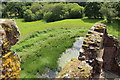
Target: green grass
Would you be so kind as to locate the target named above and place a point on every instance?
(113, 28)
(42, 43)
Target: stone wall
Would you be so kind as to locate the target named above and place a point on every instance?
(100, 51)
(9, 60)
(111, 54)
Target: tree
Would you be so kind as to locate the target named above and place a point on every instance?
(92, 10)
(14, 9)
(38, 15)
(76, 11)
(55, 13)
(108, 11)
(117, 7)
(48, 17)
(35, 7)
(61, 11)
(73, 10)
(0, 10)
(29, 16)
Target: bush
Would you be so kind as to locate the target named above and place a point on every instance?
(92, 10)
(77, 12)
(38, 15)
(55, 13)
(0, 11)
(63, 11)
(58, 11)
(117, 7)
(28, 15)
(35, 7)
(108, 11)
(52, 11)
(66, 15)
(73, 10)
(48, 17)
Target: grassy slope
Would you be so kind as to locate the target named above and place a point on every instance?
(42, 43)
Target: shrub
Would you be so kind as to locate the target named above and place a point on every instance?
(28, 15)
(61, 11)
(35, 7)
(66, 15)
(117, 7)
(108, 12)
(38, 15)
(55, 13)
(77, 12)
(48, 16)
(58, 11)
(52, 12)
(73, 10)
(92, 10)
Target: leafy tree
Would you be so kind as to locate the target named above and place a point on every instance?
(32, 12)
(92, 10)
(108, 11)
(67, 10)
(38, 15)
(77, 11)
(55, 13)
(48, 17)
(14, 9)
(73, 10)
(47, 7)
(35, 7)
(10, 9)
(0, 11)
(29, 16)
(60, 11)
(117, 7)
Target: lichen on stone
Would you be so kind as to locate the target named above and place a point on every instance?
(9, 60)
(75, 69)
(100, 52)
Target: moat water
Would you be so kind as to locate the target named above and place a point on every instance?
(65, 57)
(71, 52)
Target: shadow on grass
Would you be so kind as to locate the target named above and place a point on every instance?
(34, 20)
(90, 20)
(115, 24)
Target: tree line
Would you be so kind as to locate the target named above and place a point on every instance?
(57, 11)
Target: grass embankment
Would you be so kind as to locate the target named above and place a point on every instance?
(42, 43)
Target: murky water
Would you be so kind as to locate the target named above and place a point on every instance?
(65, 58)
(70, 53)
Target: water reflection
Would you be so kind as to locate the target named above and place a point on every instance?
(65, 57)
(71, 52)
